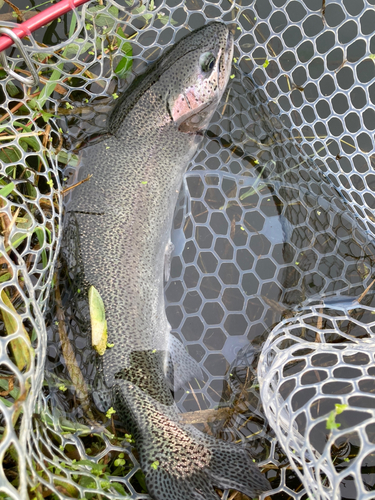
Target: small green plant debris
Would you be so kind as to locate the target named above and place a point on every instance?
(340, 408)
(120, 460)
(111, 411)
(128, 438)
(62, 387)
(7, 189)
(266, 63)
(331, 420)
(155, 464)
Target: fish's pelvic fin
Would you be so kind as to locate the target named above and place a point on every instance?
(181, 367)
(168, 259)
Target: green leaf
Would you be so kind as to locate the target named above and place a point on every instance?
(20, 348)
(73, 49)
(163, 18)
(10, 154)
(7, 189)
(93, 466)
(124, 67)
(6, 402)
(121, 33)
(29, 141)
(40, 235)
(68, 158)
(46, 116)
(41, 56)
(104, 20)
(87, 482)
(12, 89)
(141, 479)
(147, 17)
(119, 488)
(98, 322)
(26, 128)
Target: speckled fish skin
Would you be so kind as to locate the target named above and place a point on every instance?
(124, 216)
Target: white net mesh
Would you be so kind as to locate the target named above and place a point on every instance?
(317, 378)
(276, 216)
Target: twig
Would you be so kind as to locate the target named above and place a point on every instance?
(16, 107)
(365, 292)
(64, 191)
(69, 356)
(20, 17)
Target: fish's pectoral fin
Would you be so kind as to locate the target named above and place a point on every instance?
(181, 366)
(168, 259)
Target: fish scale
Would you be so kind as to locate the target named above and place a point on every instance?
(123, 218)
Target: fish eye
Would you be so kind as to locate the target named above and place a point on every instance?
(207, 61)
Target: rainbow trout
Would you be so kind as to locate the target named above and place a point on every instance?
(124, 216)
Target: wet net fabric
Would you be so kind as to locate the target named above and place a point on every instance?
(271, 276)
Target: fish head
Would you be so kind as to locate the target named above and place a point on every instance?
(196, 74)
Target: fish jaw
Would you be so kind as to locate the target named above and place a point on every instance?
(192, 109)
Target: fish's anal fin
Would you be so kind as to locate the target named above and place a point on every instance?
(180, 367)
(168, 259)
(101, 394)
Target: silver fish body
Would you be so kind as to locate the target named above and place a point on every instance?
(124, 217)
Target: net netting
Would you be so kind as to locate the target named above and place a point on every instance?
(272, 270)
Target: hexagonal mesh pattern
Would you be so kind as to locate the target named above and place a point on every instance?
(317, 375)
(275, 215)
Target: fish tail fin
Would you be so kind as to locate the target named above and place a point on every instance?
(207, 463)
(179, 461)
